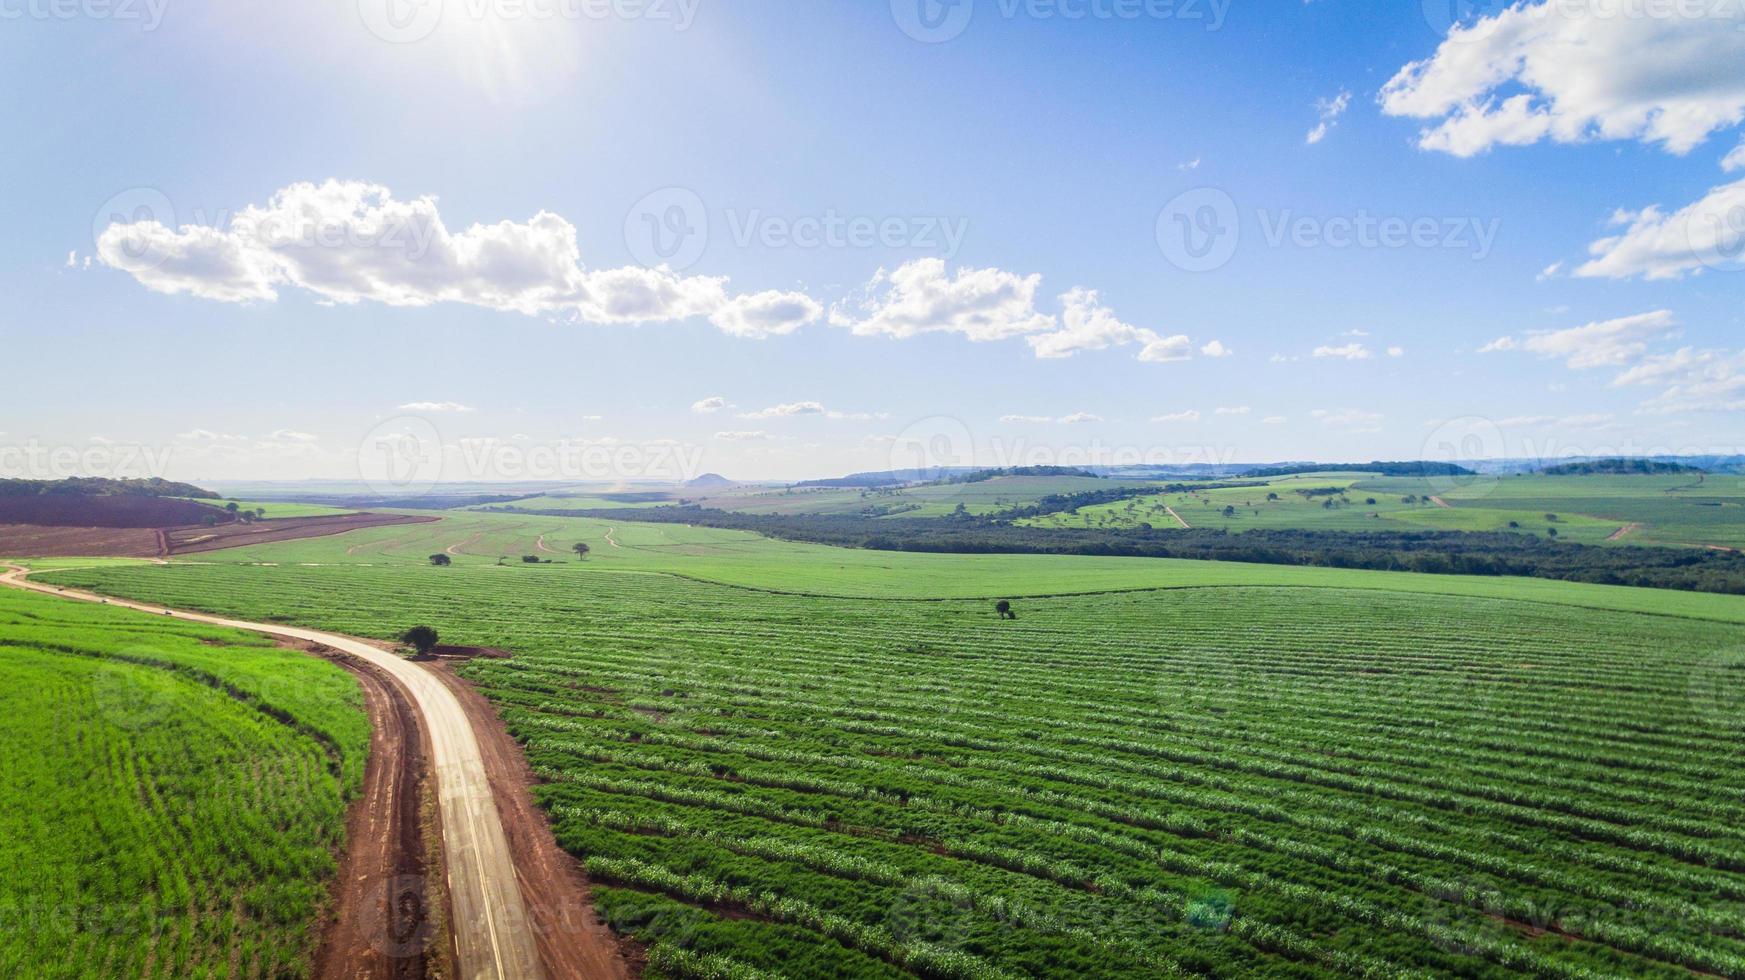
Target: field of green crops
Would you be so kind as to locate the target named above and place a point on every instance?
(171, 796)
(1657, 510)
(1170, 768)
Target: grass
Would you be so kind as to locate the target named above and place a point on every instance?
(1248, 770)
(1679, 510)
(172, 795)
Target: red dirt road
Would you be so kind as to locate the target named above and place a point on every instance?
(573, 943)
(387, 910)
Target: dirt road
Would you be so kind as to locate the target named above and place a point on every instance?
(1178, 519)
(493, 935)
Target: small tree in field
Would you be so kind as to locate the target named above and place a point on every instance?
(441, 560)
(580, 549)
(420, 638)
(1004, 608)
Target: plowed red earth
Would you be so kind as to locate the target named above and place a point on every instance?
(88, 541)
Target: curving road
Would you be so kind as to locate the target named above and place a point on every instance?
(493, 935)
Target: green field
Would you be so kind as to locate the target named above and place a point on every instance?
(930, 500)
(275, 510)
(172, 796)
(1170, 768)
(1657, 510)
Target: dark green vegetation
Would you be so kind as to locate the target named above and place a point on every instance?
(1220, 779)
(171, 796)
(1619, 467)
(1401, 469)
(1440, 552)
(100, 487)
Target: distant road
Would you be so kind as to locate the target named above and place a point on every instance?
(492, 933)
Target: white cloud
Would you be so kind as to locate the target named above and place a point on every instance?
(991, 304)
(1191, 415)
(710, 405)
(1234, 410)
(1668, 73)
(1736, 159)
(346, 242)
(788, 410)
(435, 407)
(1274, 420)
(1591, 421)
(1691, 381)
(1026, 418)
(1349, 352)
(794, 409)
(1087, 325)
(1190, 166)
(1348, 419)
(1080, 418)
(1216, 348)
(1709, 233)
(767, 314)
(919, 297)
(1396, 352)
(742, 436)
(1604, 343)
(1329, 111)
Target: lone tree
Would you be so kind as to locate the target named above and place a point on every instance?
(530, 559)
(580, 549)
(1004, 608)
(420, 638)
(441, 560)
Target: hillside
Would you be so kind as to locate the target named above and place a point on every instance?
(1620, 467)
(100, 487)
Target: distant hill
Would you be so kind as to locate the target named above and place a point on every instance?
(890, 478)
(709, 481)
(99, 487)
(1620, 467)
(1410, 468)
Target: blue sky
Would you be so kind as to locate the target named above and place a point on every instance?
(1022, 179)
